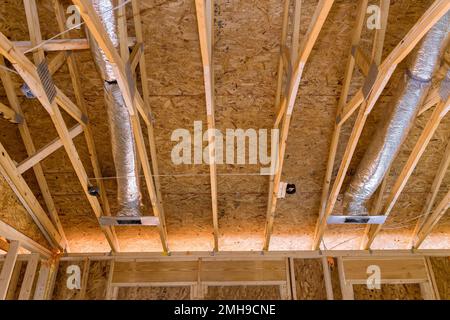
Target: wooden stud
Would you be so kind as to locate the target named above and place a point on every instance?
(13, 283)
(9, 114)
(28, 279)
(346, 287)
(293, 280)
(42, 281)
(8, 268)
(327, 278)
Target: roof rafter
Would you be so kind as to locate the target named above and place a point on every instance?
(205, 21)
(385, 71)
(287, 106)
(133, 101)
(28, 72)
(438, 114)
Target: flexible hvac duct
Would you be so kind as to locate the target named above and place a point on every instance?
(122, 140)
(387, 140)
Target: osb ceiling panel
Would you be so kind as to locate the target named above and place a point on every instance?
(246, 50)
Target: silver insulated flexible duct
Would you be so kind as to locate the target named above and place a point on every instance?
(387, 140)
(122, 140)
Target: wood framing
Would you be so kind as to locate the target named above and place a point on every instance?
(28, 279)
(12, 234)
(27, 198)
(28, 72)
(437, 182)
(81, 102)
(287, 106)
(8, 268)
(133, 101)
(425, 23)
(382, 270)
(205, 21)
(439, 112)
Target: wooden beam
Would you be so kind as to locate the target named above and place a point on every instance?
(362, 60)
(72, 64)
(31, 149)
(432, 99)
(42, 281)
(47, 150)
(380, 34)
(55, 45)
(438, 114)
(28, 72)
(133, 101)
(425, 23)
(356, 37)
(27, 243)
(28, 279)
(431, 197)
(146, 96)
(317, 22)
(205, 19)
(281, 63)
(27, 198)
(13, 283)
(68, 44)
(8, 268)
(135, 55)
(432, 220)
(9, 114)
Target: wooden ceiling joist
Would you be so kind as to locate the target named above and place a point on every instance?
(133, 101)
(431, 221)
(31, 150)
(287, 105)
(146, 96)
(205, 21)
(385, 71)
(47, 150)
(434, 190)
(27, 243)
(356, 37)
(81, 102)
(28, 72)
(438, 114)
(27, 198)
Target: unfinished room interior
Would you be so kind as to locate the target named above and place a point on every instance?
(224, 150)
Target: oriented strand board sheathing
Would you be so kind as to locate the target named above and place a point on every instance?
(388, 292)
(243, 293)
(97, 281)
(309, 279)
(154, 293)
(441, 269)
(246, 51)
